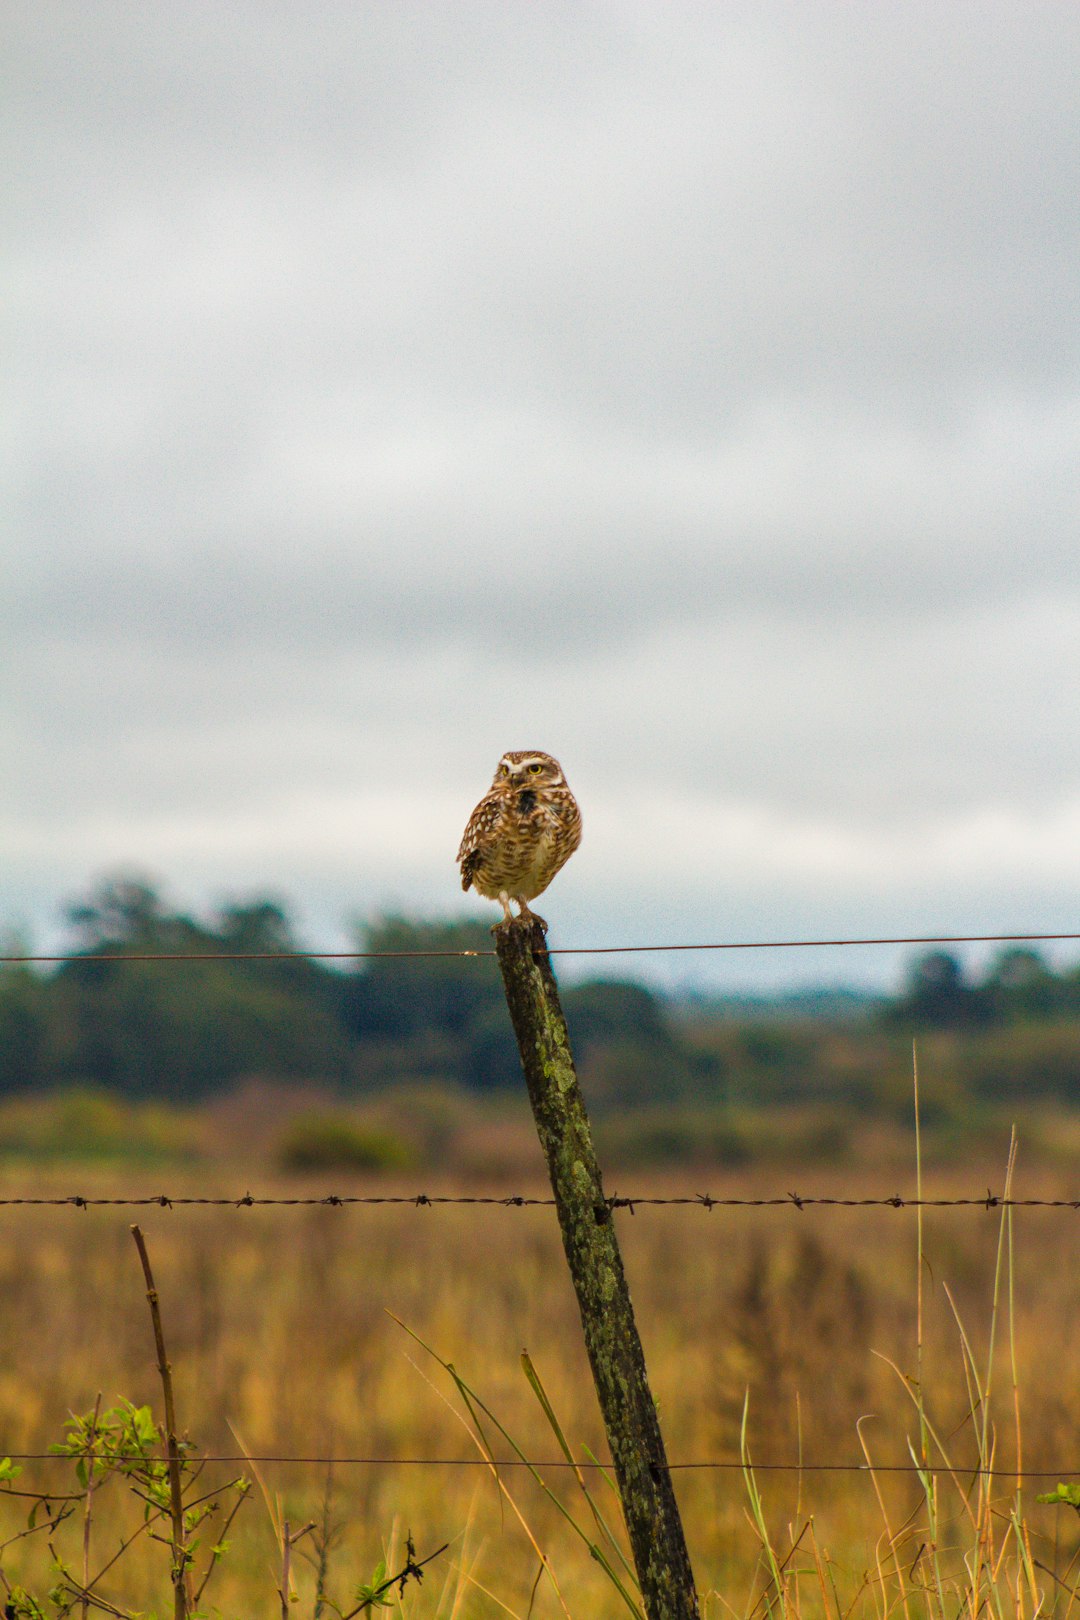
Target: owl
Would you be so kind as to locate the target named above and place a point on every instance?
(523, 830)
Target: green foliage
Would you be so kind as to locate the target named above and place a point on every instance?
(130, 1029)
(384, 1585)
(21, 1606)
(612, 1010)
(396, 999)
(121, 1440)
(1022, 1061)
(1064, 1495)
(127, 1026)
(84, 1124)
(28, 1030)
(1019, 987)
(938, 996)
(335, 1142)
(667, 1137)
(373, 1594)
(122, 1443)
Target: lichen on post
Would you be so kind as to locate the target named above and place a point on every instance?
(592, 1252)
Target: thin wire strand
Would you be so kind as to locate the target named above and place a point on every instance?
(559, 950)
(791, 1200)
(716, 1464)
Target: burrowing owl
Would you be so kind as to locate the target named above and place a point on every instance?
(524, 828)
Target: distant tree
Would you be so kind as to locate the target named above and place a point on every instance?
(448, 1012)
(183, 1029)
(25, 1032)
(489, 1058)
(126, 914)
(261, 926)
(398, 997)
(938, 996)
(606, 1010)
(1020, 985)
(627, 1051)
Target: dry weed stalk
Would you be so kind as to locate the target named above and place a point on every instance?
(182, 1604)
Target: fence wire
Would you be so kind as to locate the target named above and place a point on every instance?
(713, 1465)
(555, 950)
(706, 1201)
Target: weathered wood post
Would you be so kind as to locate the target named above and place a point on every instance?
(592, 1252)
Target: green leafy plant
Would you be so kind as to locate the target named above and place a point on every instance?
(1064, 1495)
(161, 1471)
(122, 1443)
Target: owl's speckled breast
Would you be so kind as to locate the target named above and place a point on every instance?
(524, 858)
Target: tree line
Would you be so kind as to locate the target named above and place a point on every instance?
(185, 1030)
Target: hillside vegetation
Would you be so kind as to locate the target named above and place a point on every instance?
(182, 1032)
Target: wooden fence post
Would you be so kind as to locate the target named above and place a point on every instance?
(592, 1252)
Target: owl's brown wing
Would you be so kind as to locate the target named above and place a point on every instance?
(468, 868)
(478, 830)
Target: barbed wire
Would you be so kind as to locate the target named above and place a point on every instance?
(557, 950)
(974, 1471)
(706, 1201)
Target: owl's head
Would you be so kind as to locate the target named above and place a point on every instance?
(529, 768)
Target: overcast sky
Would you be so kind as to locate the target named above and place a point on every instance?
(692, 391)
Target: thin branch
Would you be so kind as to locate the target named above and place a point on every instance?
(212, 1565)
(88, 1511)
(176, 1500)
(289, 1538)
(410, 1570)
(93, 1600)
(124, 1545)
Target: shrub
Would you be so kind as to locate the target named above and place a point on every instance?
(83, 1123)
(653, 1137)
(331, 1142)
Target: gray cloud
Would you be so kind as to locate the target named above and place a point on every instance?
(692, 390)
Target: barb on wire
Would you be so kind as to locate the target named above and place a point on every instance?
(706, 1201)
(557, 950)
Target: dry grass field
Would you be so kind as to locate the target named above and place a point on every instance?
(280, 1327)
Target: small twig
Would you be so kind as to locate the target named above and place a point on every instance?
(92, 1598)
(1054, 1576)
(123, 1547)
(324, 1542)
(88, 1510)
(289, 1538)
(77, 1496)
(156, 1513)
(34, 1530)
(411, 1570)
(286, 1553)
(176, 1500)
(233, 1511)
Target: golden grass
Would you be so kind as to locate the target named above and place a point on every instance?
(280, 1333)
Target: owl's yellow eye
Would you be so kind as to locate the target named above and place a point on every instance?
(535, 769)
(504, 770)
